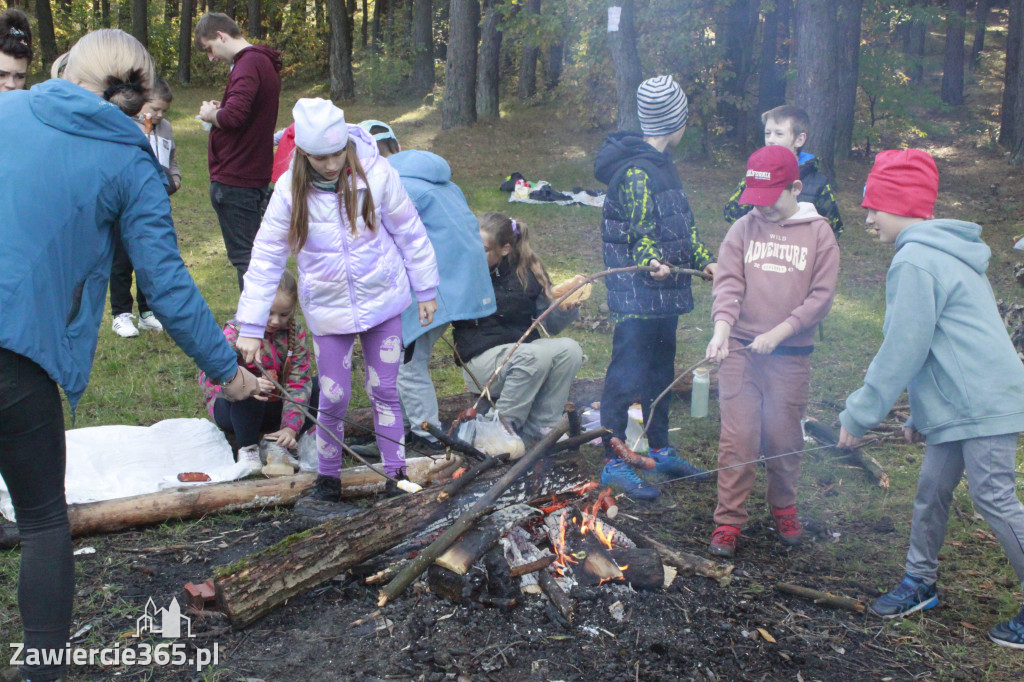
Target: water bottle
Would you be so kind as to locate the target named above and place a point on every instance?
(699, 393)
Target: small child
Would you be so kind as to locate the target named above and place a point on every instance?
(283, 352)
(788, 126)
(153, 123)
(776, 279)
(359, 245)
(945, 343)
(533, 386)
(646, 220)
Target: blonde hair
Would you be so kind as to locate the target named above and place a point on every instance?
(503, 230)
(113, 64)
(348, 197)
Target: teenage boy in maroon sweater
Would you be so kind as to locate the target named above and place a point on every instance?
(241, 151)
(776, 278)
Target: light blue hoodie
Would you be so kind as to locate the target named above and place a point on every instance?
(72, 165)
(944, 342)
(465, 292)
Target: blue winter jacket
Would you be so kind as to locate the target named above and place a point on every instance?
(945, 342)
(72, 165)
(465, 292)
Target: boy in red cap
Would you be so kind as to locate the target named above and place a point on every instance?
(776, 279)
(945, 342)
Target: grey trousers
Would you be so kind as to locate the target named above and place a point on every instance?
(989, 463)
(416, 388)
(533, 386)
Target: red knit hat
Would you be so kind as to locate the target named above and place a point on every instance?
(770, 170)
(904, 182)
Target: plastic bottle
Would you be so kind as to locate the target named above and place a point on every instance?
(700, 392)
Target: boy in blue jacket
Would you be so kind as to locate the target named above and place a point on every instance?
(946, 344)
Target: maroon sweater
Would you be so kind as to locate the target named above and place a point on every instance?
(769, 273)
(241, 149)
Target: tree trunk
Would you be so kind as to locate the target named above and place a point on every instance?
(953, 60)
(423, 47)
(350, 26)
(772, 84)
(140, 21)
(343, 87)
(531, 50)
(1016, 136)
(488, 86)
(459, 105)
(627, 66)
(980, 26)
(816, 47)
(170, 10)
(231, 8)
(848, 75)
(380, 10)
(740, 23)
(553, 68)
(1008, 132)
(185, 42)
(366, 12)
(255, 19)
(124, 15)
(914, 33)
(47, 39)
(105, 13)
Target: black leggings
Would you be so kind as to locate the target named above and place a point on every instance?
(249, 418)
(32, 463)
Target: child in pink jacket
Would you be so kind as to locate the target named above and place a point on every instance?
(359, 245)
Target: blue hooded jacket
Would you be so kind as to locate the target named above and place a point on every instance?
(71, 167)
(945, 342)
(465, 292)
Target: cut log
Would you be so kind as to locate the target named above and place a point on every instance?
(688, 563)
(641, 568)
(556, 594)
(471, 546)
(826, 436)
(363, 481)
(823, 598)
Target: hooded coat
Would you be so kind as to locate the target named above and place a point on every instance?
(945, 342)
(77, 167)
(347, 284)
(668, 233)
(465, 291)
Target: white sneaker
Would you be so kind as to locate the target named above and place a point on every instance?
(250, 455)
(124, 326)
(148, 321)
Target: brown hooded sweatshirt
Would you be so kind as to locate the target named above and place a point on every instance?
(770, 272)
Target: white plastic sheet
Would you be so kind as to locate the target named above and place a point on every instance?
(110, 462)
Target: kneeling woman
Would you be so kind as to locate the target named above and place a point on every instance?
(533, 386)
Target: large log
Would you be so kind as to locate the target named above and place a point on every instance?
(688, 563)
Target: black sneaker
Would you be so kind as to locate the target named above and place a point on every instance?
(324, 503)
(417, 442)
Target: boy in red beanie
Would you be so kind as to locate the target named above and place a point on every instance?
(776, 278)
(946, 344)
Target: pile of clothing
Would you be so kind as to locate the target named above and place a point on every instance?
(541, 192)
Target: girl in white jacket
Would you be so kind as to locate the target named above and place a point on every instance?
(359, 245)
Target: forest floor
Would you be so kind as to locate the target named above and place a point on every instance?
(856, 532)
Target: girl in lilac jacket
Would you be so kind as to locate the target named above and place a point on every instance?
(360, 246)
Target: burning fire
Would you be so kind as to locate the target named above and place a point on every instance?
(568, 497)
(587, 523)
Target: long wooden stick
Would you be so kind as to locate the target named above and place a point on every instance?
(823, 598)
(416, 567)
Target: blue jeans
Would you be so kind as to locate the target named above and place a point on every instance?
(239, 210)
(642, 366)
(32, 463)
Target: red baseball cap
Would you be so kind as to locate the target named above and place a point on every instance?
(770, 170)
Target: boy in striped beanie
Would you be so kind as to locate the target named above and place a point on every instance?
(647, 221)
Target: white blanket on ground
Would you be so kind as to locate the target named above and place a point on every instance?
(109, 462)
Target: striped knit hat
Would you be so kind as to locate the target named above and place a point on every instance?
(661, 105)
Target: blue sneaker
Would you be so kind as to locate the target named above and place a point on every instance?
(912, 594)
(669, 463)
(1010, 633)
(618, 474)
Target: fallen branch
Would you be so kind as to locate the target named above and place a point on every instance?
(416, 567)
(822, 598)
(531, 567)
(827, 436)
(688, 563)
(556, 594)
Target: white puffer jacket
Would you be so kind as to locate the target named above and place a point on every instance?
(347, 284)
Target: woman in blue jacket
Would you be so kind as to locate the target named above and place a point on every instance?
(77, 167)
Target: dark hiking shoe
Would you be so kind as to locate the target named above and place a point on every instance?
(724, 541)
(669, 463)
(912, 594)
(1009, 633)
(417, 442)
(622, 476)
(368, 451)
(324, 502)
(392, 489)
(787, 525)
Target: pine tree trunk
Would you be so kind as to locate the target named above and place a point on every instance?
(342, 83)
(553, 68)
(47, 39)
(140, 21)
(423, 47)
(231, 8)
(459, 105)
(771, 90)
(816, 46)
(849, 72)
(627, 66)
(528, 59)
(489, 68)
(350, 26)
(1010, 133)
(185, 42)
(914, 33)
(980, 26)
(255, 22)
(365, 20)
(739, 25)
(124, 15)
(105, 13)
(953, 60)
(380, 10)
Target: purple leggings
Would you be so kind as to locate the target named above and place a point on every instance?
(382, 352)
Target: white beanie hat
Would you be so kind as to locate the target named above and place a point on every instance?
(320, 126)
(661, 106)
